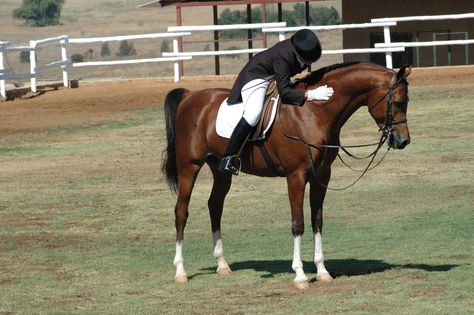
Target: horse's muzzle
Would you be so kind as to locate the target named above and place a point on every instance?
(397, 140)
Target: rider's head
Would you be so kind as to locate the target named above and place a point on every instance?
(306, 46)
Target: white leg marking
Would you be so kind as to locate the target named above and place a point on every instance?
(322, 274)
(222, 266)
(297, 264)
(179, 263)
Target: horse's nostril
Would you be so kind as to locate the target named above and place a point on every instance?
(404, 143)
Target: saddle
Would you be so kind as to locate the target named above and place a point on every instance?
(268, 112)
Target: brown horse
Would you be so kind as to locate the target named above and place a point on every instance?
(192, 141)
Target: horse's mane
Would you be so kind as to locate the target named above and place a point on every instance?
(317, 75)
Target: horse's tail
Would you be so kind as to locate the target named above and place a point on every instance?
(168, 167)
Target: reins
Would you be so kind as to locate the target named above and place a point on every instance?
(386, 133)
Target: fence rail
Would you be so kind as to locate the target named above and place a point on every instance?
(174, 59)
(384, 25)
(425, 18)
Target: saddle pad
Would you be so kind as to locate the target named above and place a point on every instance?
(229, 115)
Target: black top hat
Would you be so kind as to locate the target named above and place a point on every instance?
(306, 46)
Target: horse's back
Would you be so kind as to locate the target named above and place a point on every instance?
(196, 121)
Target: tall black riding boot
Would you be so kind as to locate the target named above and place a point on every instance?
(236, 142)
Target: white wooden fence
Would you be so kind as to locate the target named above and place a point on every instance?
(133, 61)
(65, 62)
(176, 32)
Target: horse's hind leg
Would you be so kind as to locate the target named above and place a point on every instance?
(186, 179)
(220, 188)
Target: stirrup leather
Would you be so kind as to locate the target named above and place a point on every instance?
(228, 164)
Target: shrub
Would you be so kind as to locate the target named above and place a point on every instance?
(126, 49)
(88, 54)
(105, 50)
(77, 58)
(25, 57)
(165, 46)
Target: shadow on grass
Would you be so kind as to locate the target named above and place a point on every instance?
(337, 267)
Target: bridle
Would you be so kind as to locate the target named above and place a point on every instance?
(389, 122)
(386, 129)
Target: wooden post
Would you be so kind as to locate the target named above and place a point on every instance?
(280, 12)
(33, 65)
(249, 32)
(179, 22)
(3, 91)
(306, 12)
(216, 40)
(264, 20)
(64, 57)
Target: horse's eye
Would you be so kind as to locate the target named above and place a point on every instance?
(401, 105)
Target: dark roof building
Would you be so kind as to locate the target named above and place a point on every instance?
(362, 11)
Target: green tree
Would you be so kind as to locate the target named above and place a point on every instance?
(317, 15)
(39, 12)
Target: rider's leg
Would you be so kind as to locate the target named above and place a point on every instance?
(253, 96)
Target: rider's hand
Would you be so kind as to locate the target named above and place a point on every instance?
(322, 93)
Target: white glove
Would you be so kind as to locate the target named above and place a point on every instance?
(322, 93)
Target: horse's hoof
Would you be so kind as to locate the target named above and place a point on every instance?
(224, 271)
(301, 285)
(182, 279)
(324, 277)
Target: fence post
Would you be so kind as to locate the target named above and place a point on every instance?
(387, 40)
(3, 90)
(64, 44)
(177, 75)
(33, 65)
(281, 36)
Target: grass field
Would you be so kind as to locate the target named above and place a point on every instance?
(87, 224)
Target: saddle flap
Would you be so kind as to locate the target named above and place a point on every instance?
(270, 107)
(229, 115)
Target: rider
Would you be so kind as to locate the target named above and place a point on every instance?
(280, 62)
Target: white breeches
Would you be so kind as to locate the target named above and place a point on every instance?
(253, 96)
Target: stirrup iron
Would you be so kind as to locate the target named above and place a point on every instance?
(227, 164)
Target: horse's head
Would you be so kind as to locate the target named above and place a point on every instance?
(388, 107)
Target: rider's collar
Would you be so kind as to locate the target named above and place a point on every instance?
(302, 64)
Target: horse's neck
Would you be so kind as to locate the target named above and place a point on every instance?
(353, 86)
(351, 98)
(347, 107)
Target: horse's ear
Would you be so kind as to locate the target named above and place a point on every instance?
(404, 72)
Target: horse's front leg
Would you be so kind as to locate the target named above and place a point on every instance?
(317, 190)
(296, 187)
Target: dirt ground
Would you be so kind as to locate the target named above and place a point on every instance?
(96, 101)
